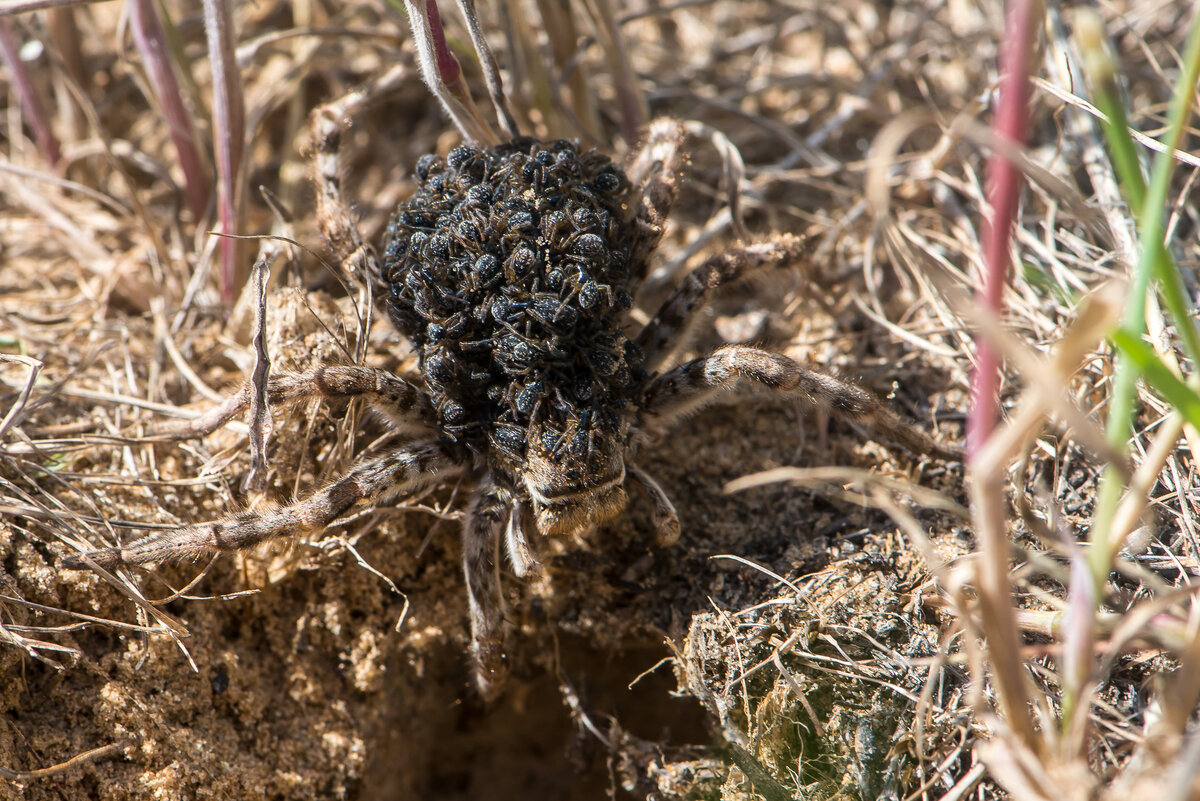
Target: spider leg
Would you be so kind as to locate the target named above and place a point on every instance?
(372, 480)
(357, 257)
(664, 517)
(403, 404)
(524, 562)
(667, 330)
(653, 170)
(485, 517)
(697, 382)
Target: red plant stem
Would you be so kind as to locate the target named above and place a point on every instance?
(151, 42)
(447, 64)
(229, 129)
(986, 476)
(34, 114)
(1004, 192)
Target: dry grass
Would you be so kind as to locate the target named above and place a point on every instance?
(827, 628)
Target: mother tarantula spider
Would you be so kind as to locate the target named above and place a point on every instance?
(512, 271)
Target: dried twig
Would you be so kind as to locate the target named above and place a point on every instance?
(75, 761)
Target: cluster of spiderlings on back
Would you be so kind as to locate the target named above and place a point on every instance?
(509, 270)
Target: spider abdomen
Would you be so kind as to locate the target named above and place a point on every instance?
(509, 270)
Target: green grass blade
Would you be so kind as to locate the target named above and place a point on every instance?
(1158, 375)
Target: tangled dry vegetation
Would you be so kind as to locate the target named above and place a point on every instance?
(819, 631)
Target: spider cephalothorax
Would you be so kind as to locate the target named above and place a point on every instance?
(512, 271)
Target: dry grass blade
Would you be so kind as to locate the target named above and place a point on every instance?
(734, 168)
(14, 412)
(260, 412)
(10, 8)
(868, 481)
(631, 100)
(491, 73)
(1047, 381)
(549, 74)
(35, 648)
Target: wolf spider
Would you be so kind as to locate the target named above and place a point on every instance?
(512, 273)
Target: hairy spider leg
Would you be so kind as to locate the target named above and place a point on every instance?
(405, 406)
(697, 382)
(485, 517)
(667, 332)
(653, 171)
(663, 515)
(525, 563)
(357, 258)
(371, 480)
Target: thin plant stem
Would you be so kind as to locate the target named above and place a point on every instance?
(442, 73)
(987, 480)
(47, 142)
(491, 73)
(150, 38)
(1151, 264)
(229, 130)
